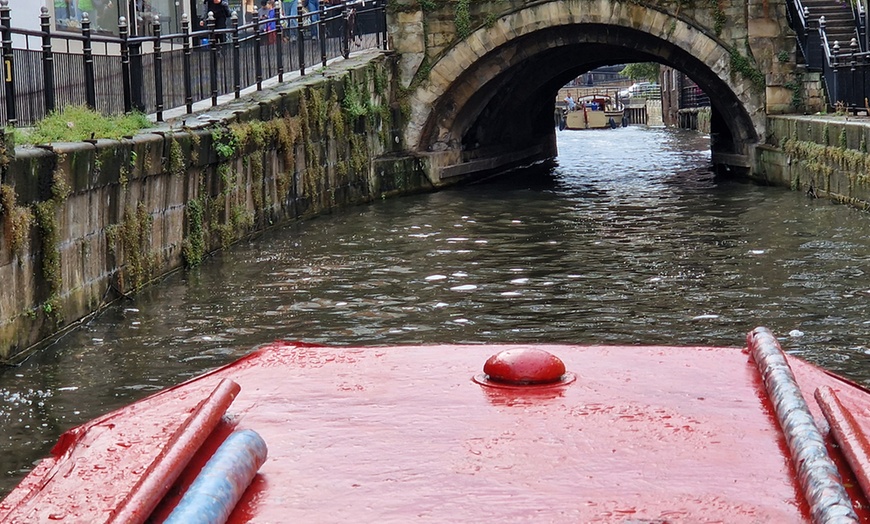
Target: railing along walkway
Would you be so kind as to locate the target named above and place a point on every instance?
(153, 73)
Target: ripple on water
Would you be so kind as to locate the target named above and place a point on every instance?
(628, 238)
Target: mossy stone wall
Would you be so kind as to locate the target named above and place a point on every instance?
(82, 224)
(824, 156)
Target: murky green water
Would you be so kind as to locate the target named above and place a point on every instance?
(629, 240)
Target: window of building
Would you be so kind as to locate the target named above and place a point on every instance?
(102, 14)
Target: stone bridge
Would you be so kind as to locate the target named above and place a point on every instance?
(481, 76)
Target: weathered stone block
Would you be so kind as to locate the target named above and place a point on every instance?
(75, 162)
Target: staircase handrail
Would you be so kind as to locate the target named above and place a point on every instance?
(805, 34)
(802, 14)
(859, 9)
(834, 60)
(843, 72)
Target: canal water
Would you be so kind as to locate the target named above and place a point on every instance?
(628, 239)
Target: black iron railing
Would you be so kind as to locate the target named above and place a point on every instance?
(844, 66)
(807, 34)
(846, 73)
(46, 70)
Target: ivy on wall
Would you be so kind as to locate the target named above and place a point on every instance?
(462, 19)
(745, 67)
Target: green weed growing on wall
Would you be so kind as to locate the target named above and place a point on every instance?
(17, 220)
(134, 237)
(176, 163)
(193, 248)
(463, 19)
(226, 143)
(47, 221)
(821, 161)
(355, 102)
(719, 19)
(743, 65)
(797, 91)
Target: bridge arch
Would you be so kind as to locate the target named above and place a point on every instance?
(496, 87)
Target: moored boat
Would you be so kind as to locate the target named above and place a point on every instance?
(473, 433)
(595, 112)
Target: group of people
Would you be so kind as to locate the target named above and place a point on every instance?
(571, 105)
(221, 11)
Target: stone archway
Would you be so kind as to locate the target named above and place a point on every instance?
(543, 45)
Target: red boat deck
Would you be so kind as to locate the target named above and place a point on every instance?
(644, 434)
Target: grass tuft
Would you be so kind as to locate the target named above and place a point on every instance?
(78, 123)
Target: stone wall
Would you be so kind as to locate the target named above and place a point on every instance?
(82, 224)
(824, 156)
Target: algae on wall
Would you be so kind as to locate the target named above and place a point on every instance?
(825, 157)
(82, 224)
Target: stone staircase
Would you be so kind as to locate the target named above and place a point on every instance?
(840, 23)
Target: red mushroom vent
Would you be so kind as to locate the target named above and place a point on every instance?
(524, 367)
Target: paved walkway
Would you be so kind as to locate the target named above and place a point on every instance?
(204, 113)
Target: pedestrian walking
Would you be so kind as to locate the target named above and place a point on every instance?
(221, 11)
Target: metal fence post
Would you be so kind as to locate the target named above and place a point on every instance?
(8, 62)
(158, 69)
(321, 35)
(384, 26)
(258, 53)
(237, 61)
(124, 33)
(300, 44)
(345, 31)
(137, 80)
(47, 59)
(213, 49)
(853, 47)
(864, 71)
(279, 40)
(88, 57)
(188, 89)
(835, 63)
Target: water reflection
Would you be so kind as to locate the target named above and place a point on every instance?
(629, 239)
